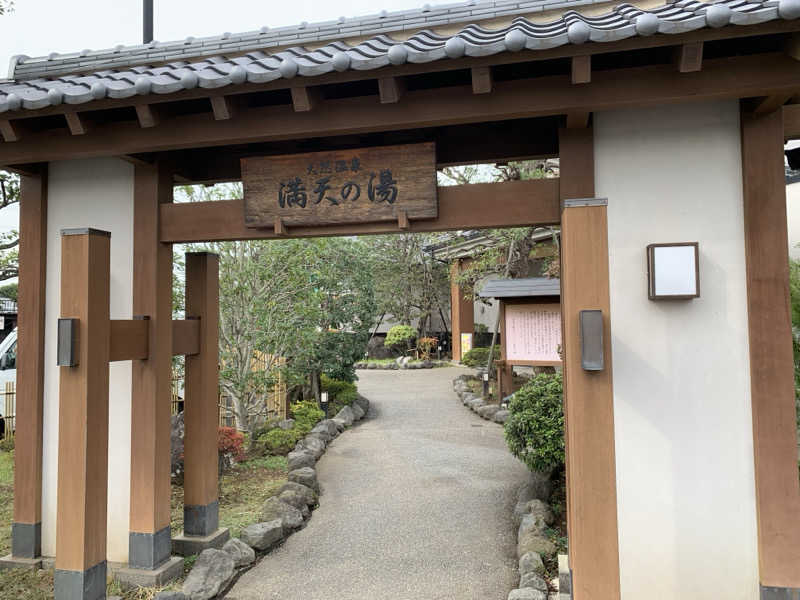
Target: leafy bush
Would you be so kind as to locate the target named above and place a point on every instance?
(340, 394)
(279, 441)
(400, 335)
(477, 357)
(306, 414)
(425, 345)
(7, 444)
(535, 428)
(230, 441)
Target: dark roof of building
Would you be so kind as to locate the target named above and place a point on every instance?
(357, 44)
(521, 288)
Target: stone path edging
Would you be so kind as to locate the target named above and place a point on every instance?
(214, 571)
(486, 411)
(400, 365)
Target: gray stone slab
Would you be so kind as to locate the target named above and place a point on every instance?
(779, 593)
(166, 572)
(12, 562)
(187, 545)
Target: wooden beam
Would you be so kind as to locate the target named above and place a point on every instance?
(201, 412)
(689, 57)
(391, 89)
(75, 123)
(402, 220)
(792, 47)
(185, 337)
(129, 339)
(280, 228)
(145, 160)
(578, 120)
(768, 104)
(532, 202)
(589, 399)
(770, 341)
(83, 418)
(582, 69)
(146, 115)
(26, 531)
(741, 76)
(481, 80)
(151, 379)
(304, 98)
(222, 107)
(9, 130)
(462, 307)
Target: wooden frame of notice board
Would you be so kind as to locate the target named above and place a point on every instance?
(506, 363)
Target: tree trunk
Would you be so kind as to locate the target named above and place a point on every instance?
(316, 385)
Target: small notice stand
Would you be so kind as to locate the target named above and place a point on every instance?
(530, 320)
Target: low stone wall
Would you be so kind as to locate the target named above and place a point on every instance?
(399, 365)
(485, 410)
(214, 570)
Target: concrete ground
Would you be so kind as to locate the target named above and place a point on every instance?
(416, 505)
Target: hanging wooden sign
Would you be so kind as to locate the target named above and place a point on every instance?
(388, 183)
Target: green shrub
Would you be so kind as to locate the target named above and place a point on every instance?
(7, 444)
(535, 428)
(306, 414)
(400, 335)
(279, 441)
(340, 394)
(477, 357)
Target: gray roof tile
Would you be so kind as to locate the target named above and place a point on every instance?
(520, 288)
(84, 76)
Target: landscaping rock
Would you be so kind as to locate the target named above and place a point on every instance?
(301, 458)
(167, 595)
(275, 508)
(501, 416)
(241, 553)
(323, 438)
(527, 594)
(533, 580)
(531, 523)
(476, 404)
(346, 415)
(488, 411)
(262, 536)
(468, 397)
(539, 486)
(358, 412)
(327, 425)
(312, 445)
(341, 424)
(286, 424)
(531, 562)
(533, 541)
(294, 499)
(305, 476)
(211, 574)
(305, 492)
(372, 365)
(362, 402)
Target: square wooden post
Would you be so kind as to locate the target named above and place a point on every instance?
(26, 531)
(462, 310)
(201, 410)
(771, 361)
(150, 540)
(588, 395)
(83, 419)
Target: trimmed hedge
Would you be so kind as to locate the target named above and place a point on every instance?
(477, 357)
(535, 427)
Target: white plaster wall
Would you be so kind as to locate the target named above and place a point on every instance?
(94, 193)
(793, 218)
(685, 482)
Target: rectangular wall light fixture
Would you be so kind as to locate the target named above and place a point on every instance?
(673, 271)
(592, 340)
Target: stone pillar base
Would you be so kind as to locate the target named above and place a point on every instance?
(187, 545)
(13, 562)
(201, 520)
(26, 540)
(779, 593)
(148, 550)
(81, 585)
(131, 578)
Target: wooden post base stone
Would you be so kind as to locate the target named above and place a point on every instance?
(187, 545)
(149, 550)
(81, 585)
(130, 578)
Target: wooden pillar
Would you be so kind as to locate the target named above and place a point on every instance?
(83, 419)
(26, 531)
(201, 508)
(505, 372)
(149, 543)
(462, 310)
(771, 360)
(588, 397)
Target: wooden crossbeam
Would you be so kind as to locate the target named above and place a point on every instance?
(689, 57)
(481, 80)
(129, 339)
(75, 123)
(390, 89)
(185, 337)
(533, 202)
(582, 69)
(578, 120)
(9, 131)
(146, 115)
(222, 107)
(767, 104)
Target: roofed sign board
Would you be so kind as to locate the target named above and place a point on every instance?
(362, 185)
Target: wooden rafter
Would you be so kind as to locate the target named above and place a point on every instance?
(222, 107)
(768, 104)
(689, 57)
(304, 98)
(481, 80)
(391, 89)
(76, 123)
(578, 120)
(146, 115)
(9, 130)
(582, 69)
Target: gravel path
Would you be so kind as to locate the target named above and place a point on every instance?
(416, 505)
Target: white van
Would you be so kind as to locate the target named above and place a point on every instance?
(8, 374)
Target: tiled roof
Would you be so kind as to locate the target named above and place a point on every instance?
(521, 288)
(235, 59)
